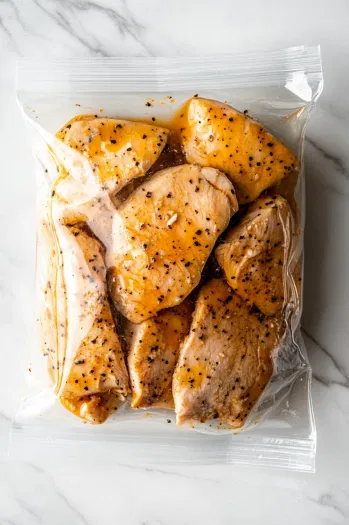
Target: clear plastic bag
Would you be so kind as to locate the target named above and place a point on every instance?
(279, 90)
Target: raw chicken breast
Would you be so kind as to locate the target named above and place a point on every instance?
(92, 373)
(256, 255)
(113, 151)
(226, 361)
(162, 236)
(153, 353)
(214, 134)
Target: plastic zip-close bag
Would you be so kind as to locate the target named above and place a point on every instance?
(170, 218)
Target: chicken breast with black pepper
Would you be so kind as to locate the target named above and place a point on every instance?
(96, 159)
(257, 257)
(162, 236)
(227, 359)
(111, 151)
(92, 373)
(217, 135)
(153, 353)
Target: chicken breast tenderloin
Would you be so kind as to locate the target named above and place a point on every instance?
(256, 255)
(162, 236)
(93, 375)
(153, 353)
(217, 135)
(226, 360)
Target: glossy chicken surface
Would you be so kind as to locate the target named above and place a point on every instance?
(215, 134)
(226, 361)
(113, 151)
(162, 236)
(92, 374)
(153, 353)
(255, 254)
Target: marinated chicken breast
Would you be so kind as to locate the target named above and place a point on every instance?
(162, 236)
(255, 255)
(96, 159)
(215, 134)
(93, 374)
(47, 276)
(153, 353)
(226, 360)
(113, 151)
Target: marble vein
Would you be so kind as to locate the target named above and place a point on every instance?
(167, 473)
(76, 515)
(4, 19)
(8, 34)
(62, 21)
(125, 25)
(328, 499)
(322, 379)
(28, 509)
(337, 162)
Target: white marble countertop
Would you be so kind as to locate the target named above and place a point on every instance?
(72, 494)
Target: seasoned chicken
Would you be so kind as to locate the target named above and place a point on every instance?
(162, 236)
(47, 276)
(93, 374)
(226, 360)
(97, 158)
(255, 255)
(214, 134)
(113, 151)
(153, 353)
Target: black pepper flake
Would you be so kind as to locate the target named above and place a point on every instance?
(113, 141)
(80, 362)
(149, 194)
